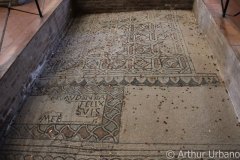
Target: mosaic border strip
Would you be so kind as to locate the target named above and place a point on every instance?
(107, 131)
(162, 81)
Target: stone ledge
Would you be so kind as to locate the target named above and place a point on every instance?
(228, 56)
(99, 6)
(16, 82)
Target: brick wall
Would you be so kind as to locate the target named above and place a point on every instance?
(96, 6)
(17, 81)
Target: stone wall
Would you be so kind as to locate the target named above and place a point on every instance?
(97, 6)
(17, 81)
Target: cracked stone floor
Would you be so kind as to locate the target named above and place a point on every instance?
(126, 86)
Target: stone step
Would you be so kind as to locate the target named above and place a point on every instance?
(94, 6)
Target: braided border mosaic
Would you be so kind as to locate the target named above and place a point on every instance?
(106, 131)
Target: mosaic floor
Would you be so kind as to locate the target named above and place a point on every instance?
(126, 86)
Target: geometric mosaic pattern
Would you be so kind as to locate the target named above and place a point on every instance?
(91, 67)
(78, 101)
(26, 156)
(35, 156)
(141, 45)
(87, 96)
(162, 81)
(128, 47)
